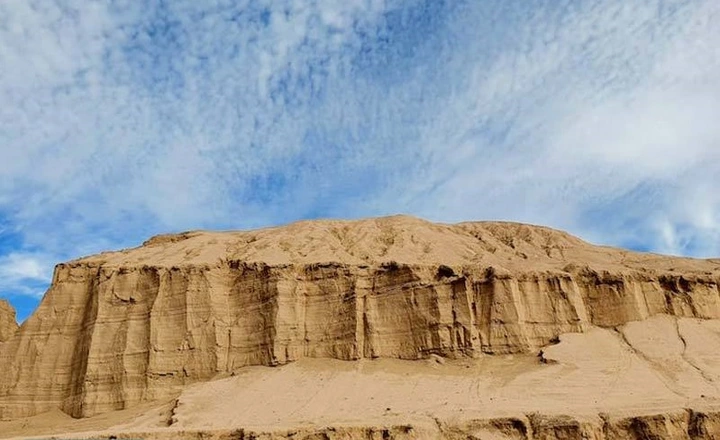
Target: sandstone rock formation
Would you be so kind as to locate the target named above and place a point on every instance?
(8, 323)
(120, 328)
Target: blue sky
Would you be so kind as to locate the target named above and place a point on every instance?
(123, 119)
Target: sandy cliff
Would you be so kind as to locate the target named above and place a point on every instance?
(124, 327)
(8, 323)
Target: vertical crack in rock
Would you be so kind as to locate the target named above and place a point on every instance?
(653, 364)
(684, 356)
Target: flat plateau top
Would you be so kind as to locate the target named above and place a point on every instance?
(402, 239)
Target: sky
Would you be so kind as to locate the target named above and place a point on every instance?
(123, 119)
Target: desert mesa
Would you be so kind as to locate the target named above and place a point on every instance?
(387, 328)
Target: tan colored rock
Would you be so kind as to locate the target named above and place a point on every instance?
(120, 328)
(8, 323)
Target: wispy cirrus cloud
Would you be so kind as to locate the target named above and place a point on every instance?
(25, 274)
(122, 119)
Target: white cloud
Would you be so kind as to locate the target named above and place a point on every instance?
(19, 266)
(24, 274)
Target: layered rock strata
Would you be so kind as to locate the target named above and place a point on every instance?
(124, 327)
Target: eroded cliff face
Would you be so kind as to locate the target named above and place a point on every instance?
(8, 323)
(120, 328)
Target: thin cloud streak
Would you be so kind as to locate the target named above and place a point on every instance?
(24, 274)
